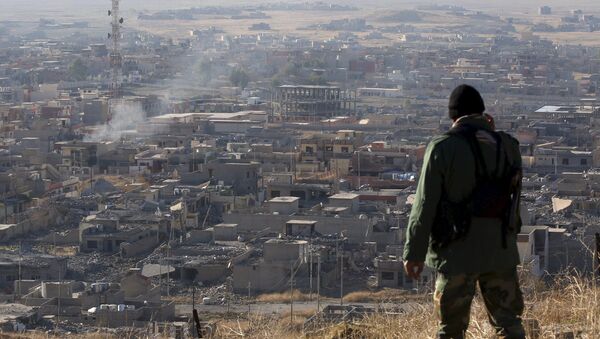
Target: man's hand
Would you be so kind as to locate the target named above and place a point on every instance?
(413, 269)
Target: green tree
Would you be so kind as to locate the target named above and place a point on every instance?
(315, 79)
(205, 71)
(275, 81)
(78, 70)
(239, 78)
(314, 63)
(291, 68)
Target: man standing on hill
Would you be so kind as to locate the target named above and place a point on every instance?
(465, 220)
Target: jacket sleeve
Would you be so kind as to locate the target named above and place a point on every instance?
(429, 191)
(515, 152)
(518, 163)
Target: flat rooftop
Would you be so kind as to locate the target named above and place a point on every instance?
(530, 229)
(10, 312)
(344, 196)
(564, 109)
(153, 270)
(285, 241)
(226, 225)
(284, 199)
(308, 87)
(207, 116)
(335, 209)
(301, 222)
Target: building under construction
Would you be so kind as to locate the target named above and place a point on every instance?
(313, 102)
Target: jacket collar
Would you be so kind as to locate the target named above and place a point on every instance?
(478, 121)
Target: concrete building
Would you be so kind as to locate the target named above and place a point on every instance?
(78, 154)
(555, 159)
(389, 270)
(380, 92)
(285, 251)
(314, 101)
(128, 241)
(284, 205)
(304, 228)
(8, 232)
(355, 229)
(545, 10)
(137, 287)
(309, 194)
(29, 267)
(243, 177)
(533, 247)
(54, 289)
(13, 315)
(351, 201)
(225, 232)
(272, 273)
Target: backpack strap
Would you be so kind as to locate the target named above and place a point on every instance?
(469, 134)
(478, 154)
(500, 170)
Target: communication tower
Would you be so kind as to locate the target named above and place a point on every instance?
(116, 59)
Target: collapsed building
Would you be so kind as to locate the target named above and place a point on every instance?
(108, 235)
(30, 267)
(133, 302)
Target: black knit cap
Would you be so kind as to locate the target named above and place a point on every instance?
(465, 100)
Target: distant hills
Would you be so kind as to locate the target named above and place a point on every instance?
(34, 9)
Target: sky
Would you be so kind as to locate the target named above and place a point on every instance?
(33, 9)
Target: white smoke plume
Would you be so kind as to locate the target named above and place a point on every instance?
(125, 116)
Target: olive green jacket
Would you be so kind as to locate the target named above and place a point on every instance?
(449, 165)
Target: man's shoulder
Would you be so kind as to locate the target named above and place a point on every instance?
(440, 140)
(444, 143)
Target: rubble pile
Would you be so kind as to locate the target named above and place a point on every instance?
(96, 267)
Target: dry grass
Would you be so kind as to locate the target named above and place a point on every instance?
(284, 297)
(387, 295)
(260, 326)
(182, 299)
(39, 335)
(572, 304)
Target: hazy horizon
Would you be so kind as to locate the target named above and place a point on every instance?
(9, 9)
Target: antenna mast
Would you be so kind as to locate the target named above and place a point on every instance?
(116, 59)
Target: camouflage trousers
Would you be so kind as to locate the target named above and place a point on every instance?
(501, 295)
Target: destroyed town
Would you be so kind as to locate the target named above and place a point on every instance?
(227, 169)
